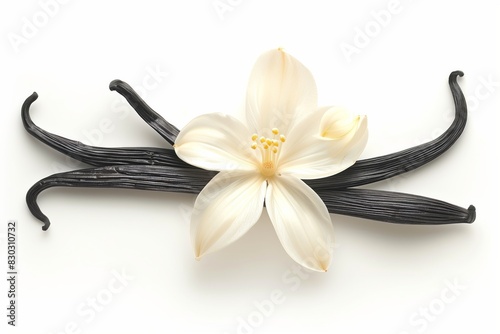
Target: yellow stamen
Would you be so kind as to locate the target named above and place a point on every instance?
(270, 149)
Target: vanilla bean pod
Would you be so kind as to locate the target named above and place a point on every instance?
(370, 204)
(164, 128)
(99, 156)
(386, 166)
(393, 207)
(160, 169)
(160, 178)
(362, 172)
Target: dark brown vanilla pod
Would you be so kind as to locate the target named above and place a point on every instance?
(151, 117)
(159, 178)
(99, 156)
(386, 166)
(161, 170)
(363, 171)
(393, 207)
(231, 201)
(370, 204)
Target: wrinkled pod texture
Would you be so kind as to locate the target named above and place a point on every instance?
(151, 168)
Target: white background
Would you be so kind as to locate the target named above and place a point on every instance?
(384, 277)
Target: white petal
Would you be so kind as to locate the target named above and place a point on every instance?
(301, 221)
(216, 142)
(228, 206)
(280, 90)
(307, 155)
(337, 123)
(353, 143)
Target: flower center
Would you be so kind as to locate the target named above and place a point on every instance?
(269, 149)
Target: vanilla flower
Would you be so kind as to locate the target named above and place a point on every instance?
(287, 138)
(160, 169)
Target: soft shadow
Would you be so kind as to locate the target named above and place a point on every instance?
(399, 234)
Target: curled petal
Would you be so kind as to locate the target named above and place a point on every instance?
(301, 221)
(307, 155)
(280, 90)
(337, 123)
(228, 206)
(383, 167)
(216, 142)
(352, 144)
